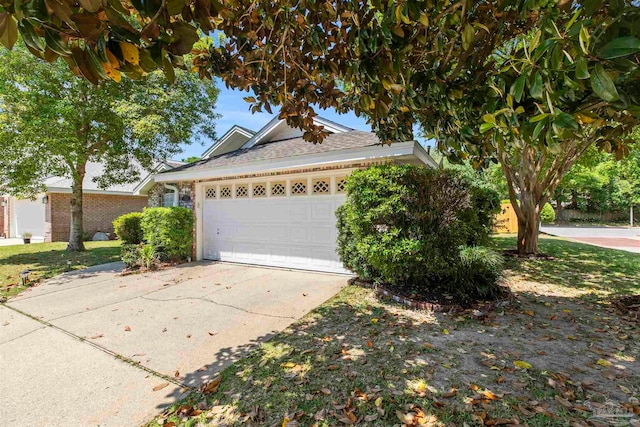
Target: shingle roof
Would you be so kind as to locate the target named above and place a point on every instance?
(93, 170)
(285, 148)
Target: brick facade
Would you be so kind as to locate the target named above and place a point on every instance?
(99, 211)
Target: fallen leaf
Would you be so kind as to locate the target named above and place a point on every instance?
(160, 386)
(212, 333)
(522, 364)
(604, 362)
(95, 337)
(177, 374)
(127, 329)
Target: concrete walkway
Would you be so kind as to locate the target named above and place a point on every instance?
(621, 238)
(15, 241)
(90, 347)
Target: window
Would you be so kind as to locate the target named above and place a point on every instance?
(168, 200)
(242, 190)
(340, 188)
(225, 192)
(210, 193)
(298, 188)
(259, 190)
(321, 186)
(278, 189)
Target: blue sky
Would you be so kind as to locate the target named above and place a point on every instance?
(235, 111)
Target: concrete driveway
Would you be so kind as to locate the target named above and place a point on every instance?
(622, 238)
(89, 348)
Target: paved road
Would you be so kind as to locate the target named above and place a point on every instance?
(622, 238)
(88, 348)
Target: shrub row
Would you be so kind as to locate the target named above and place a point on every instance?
(157, 234)
(418, 230)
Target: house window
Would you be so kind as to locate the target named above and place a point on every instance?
(340, 185)
(278, 189)
(225, 192)
(210, 193)
(321, 186)
(259, 190)
(298, 188)
(242, 190)
(168, 200)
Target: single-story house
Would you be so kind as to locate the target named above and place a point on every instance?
(48, 216)
(269, 197)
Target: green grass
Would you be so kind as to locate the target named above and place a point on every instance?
(45, 260)
(359, 360)
(577, 266)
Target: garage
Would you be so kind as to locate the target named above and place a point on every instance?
(27, 216)
(281, 222)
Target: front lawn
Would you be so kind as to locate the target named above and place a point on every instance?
(556, 356)
(45, 260)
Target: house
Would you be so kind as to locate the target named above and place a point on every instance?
(269, 197)
(48, 216)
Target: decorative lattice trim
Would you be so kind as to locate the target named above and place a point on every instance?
(298, 188)
(278, 189)
(259, 190)
(321, 186)
(210, 193)
(340, 185)
(242, 190)
(225, 192)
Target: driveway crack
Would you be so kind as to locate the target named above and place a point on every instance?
(218, 303)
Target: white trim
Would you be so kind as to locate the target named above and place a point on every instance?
(223, 139)
(424, 155)
(376, 152)
(275, 122)
(109, 193)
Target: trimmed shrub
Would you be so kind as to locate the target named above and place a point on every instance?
(405, 226)
(169, 232)
(130, 254)
(547, 214)
(127, 228)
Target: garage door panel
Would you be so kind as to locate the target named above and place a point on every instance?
(294, 232)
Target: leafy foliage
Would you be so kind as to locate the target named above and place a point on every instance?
(547, 214)
(169, 231)
(53, 124)
(406, 226)
(128, 229)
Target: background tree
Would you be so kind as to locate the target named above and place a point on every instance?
(569, 84)
(53, 123)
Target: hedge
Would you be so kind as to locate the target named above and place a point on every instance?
(169, 231)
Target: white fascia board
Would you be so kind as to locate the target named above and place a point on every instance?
(424, 156)
(266, 129)
(376, 152)
(227, 135)
(110, 193)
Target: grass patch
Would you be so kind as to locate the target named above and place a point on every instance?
(357, 360)
(45, 260)
(578, 268)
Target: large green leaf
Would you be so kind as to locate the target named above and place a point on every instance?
(603, 85)
(582, 72)
(622, 46)
(517, 88)
(537, 86)
(8, 30)
(566, 121)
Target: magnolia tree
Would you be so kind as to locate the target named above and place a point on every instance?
(53, 123)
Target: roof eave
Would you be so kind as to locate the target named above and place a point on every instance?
(396, 150)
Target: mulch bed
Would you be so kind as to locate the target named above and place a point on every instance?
(438, 302)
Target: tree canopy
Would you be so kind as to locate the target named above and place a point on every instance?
(53, 123)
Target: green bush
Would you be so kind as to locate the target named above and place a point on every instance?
(169, 232)
(127, 228)
(130, 254)
(405, 226)
(477, 273)
(547, 214)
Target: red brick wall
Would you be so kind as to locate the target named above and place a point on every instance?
(99, 212)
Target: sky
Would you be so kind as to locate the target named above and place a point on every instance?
(235, 111)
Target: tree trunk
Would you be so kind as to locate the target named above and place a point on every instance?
(528, 224)
(76, 241)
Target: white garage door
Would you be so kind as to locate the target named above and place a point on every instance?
(287, 223)
(28, 216)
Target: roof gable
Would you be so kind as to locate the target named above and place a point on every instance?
(278, 130)
(233, 139)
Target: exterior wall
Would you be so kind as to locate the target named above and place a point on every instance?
(99, 211)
